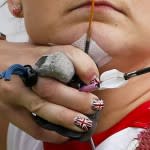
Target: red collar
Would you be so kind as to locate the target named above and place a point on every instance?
(140, 117)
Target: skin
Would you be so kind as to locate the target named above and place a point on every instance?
(119, 34)
(16, 106)
(127, 28)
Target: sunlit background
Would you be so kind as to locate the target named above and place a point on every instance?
(11, 26)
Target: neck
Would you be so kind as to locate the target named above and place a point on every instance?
(119, 102)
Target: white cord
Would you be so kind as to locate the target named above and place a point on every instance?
(92, 144)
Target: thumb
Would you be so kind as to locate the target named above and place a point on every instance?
(85, 68)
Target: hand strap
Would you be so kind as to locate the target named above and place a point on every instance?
(27, 74)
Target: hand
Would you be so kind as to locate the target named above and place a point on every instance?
(59, 107)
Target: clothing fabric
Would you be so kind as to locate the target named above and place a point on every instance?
(22, 141)
(19, 140)
(122, 140)
(122, 136)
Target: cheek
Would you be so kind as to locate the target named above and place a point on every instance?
(39, 25)
(141, 14)
(115, 39)
(54, 30)
(141, 20)
(40, 18)
(122, 42)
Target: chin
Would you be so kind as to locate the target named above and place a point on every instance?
(110, 38)
(67, 33)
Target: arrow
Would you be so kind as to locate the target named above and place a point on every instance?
(113, 79)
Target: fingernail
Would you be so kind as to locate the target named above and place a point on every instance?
(89, 87)
(97, 104)
(95, 79)
(92, 86)
(83, 123)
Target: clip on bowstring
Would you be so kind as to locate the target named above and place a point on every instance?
(27, 74)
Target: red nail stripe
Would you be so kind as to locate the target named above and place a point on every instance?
(83, 123)
(98, 105)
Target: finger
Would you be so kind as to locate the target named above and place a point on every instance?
(22, 119)
(85, 67)
(85, 103)
(51, 112)
(56, 114)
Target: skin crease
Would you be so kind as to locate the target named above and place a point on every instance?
(124, 36)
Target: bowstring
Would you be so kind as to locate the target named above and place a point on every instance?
(89, 31)
(91, 19)
(89, 34)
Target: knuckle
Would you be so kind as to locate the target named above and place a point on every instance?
(36, 105)
(73, 52)
(62, 116)
(8, 89)
(48, 89)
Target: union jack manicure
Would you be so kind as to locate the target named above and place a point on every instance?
(95, 80)
(83, 123)
(92, 86)
(97, 104)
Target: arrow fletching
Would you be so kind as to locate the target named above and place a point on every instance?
(112, 79)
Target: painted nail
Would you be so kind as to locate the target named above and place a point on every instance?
(89, 87)
(95, 80)
(92, 86)
(97, 105)
(17, 10)
(83, 123)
